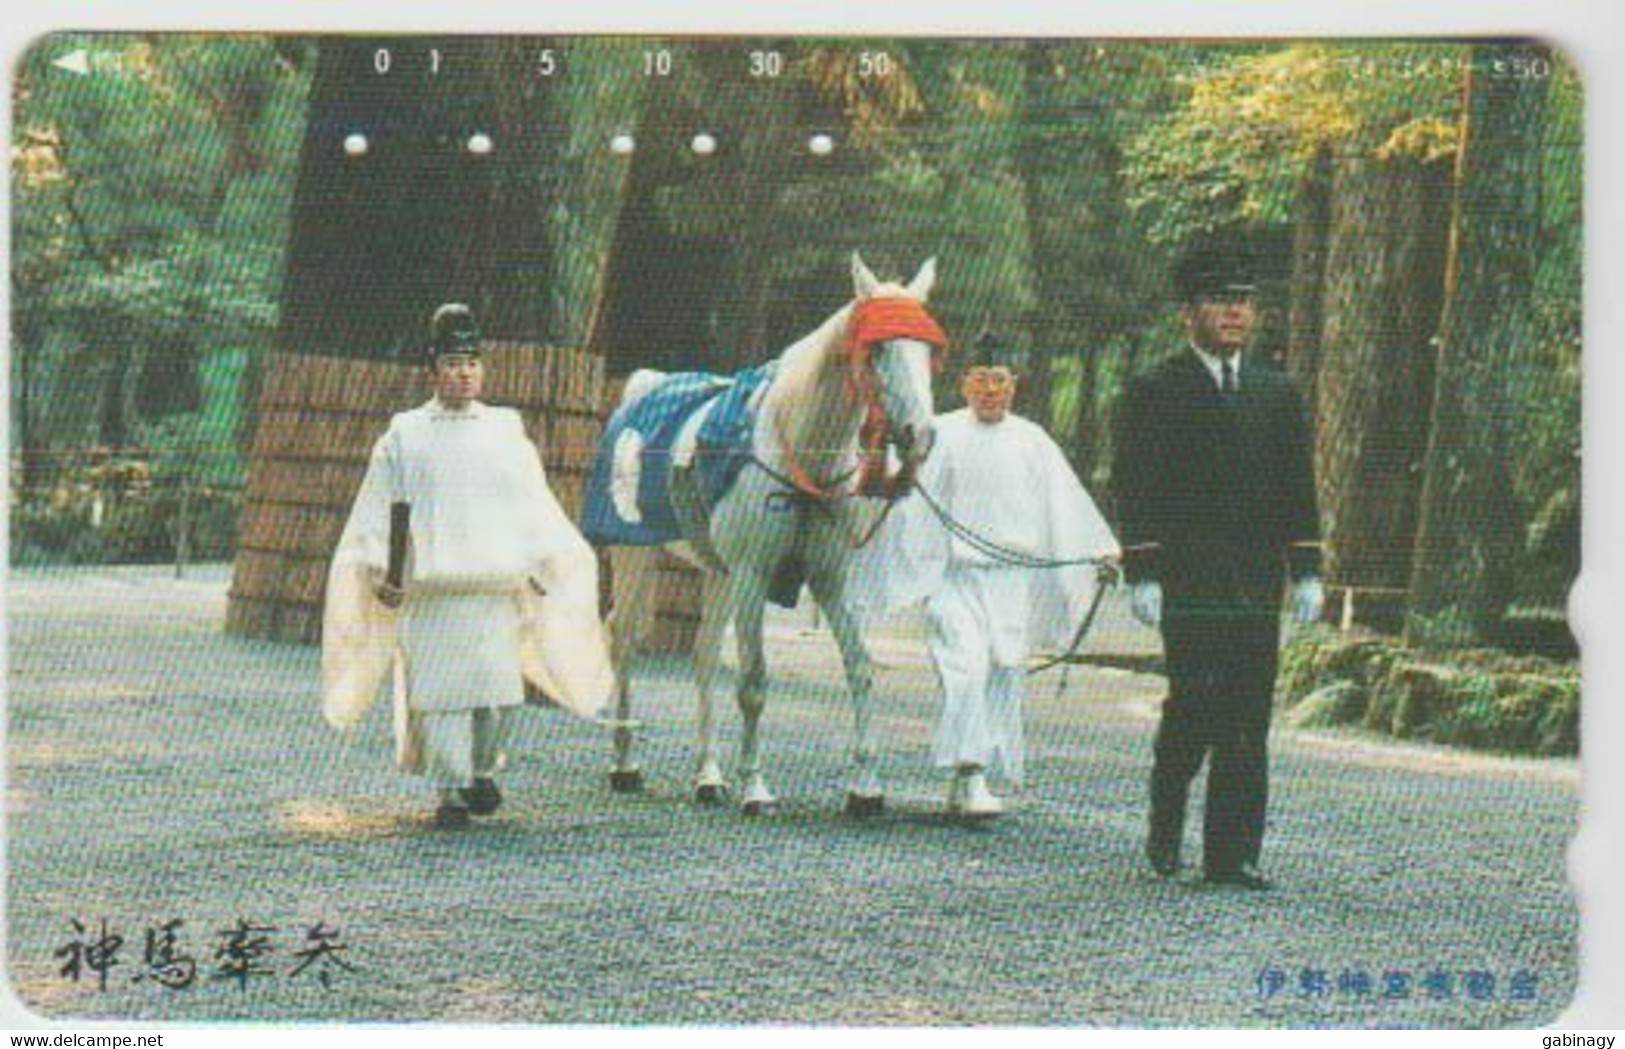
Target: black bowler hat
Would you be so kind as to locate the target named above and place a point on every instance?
(452, 330)
(1222, 264)
(990, 350)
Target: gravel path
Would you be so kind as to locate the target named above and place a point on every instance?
(161, 770)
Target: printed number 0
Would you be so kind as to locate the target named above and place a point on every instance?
(874, 63)
(381, 60)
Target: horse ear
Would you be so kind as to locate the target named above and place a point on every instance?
(921, 285)
(863, 281)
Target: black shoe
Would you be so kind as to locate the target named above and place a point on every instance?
(483, 798)
(450, 816)
(1245, 877)
(1164, 858)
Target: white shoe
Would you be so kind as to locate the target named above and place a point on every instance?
(979, 802)
(968, 796)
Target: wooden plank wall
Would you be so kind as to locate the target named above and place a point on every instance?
(318, 420)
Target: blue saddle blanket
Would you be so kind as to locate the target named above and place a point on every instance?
(722, 450)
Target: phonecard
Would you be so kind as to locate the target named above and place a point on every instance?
(1124, 494)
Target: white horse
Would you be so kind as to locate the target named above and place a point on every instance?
(795, 499)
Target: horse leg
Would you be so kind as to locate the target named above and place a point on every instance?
(635, 578)
(709, 782)
(864, 794)
(756, 798)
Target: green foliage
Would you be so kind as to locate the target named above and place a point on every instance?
(1482, 698)
(151, 204)
(1546, 446)
(602, 103)
(1252, 119)
(102, 507)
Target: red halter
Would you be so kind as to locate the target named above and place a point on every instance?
(874, 321)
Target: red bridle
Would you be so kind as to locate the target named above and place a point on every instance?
(874, 321)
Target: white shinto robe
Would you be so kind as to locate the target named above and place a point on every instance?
(1009, 483)
(488, 537)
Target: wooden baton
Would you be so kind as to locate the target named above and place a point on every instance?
(400, 524)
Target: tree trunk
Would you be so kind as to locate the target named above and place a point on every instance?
(752, 169)
(1040, 160)
(25, 349)
(1461, 583)
(382, 236)
(533, 125)
(112, 340)
(657, 284)
(1311, 225)
(1388, 232)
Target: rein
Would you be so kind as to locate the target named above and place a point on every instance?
(995, 551)
(828, 501)
(1106, 576)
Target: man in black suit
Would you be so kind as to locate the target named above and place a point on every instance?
(1216, 496)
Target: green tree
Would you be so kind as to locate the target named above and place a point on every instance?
(149, 209)
(1348, 148)
(1469, 536)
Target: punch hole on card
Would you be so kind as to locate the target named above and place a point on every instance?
(639, 531)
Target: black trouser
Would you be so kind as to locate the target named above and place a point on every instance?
(1221, 682)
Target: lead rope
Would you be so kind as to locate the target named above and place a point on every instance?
(1003, 554)
(1105, 579)
(829, 498)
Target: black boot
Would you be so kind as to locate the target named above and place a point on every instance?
(1167, 831)
(451, 815)
(483, 798)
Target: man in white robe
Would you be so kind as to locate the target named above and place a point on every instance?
(1002, 478)
(497, 586)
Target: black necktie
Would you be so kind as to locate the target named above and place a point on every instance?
(1227, 382)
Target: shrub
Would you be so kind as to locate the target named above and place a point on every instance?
(1481, 698)
(101, 507)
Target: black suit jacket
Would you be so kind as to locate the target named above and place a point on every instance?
(1226, 492)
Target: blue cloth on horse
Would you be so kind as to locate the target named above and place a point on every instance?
(657, 417)
(725, 435)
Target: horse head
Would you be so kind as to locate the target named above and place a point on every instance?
(895, 345)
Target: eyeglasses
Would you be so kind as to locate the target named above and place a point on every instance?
(1228, 297)
(993, 378)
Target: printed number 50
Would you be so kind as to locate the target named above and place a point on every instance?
(874, 63)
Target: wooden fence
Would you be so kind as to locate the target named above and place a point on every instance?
(318, 420)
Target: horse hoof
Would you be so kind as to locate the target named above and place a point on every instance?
(864, 806)
(626, 781)
(708, 794)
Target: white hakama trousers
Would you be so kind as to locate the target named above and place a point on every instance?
(462, 678)
(978, 645)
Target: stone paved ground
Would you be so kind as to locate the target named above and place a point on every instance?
(160, 770)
